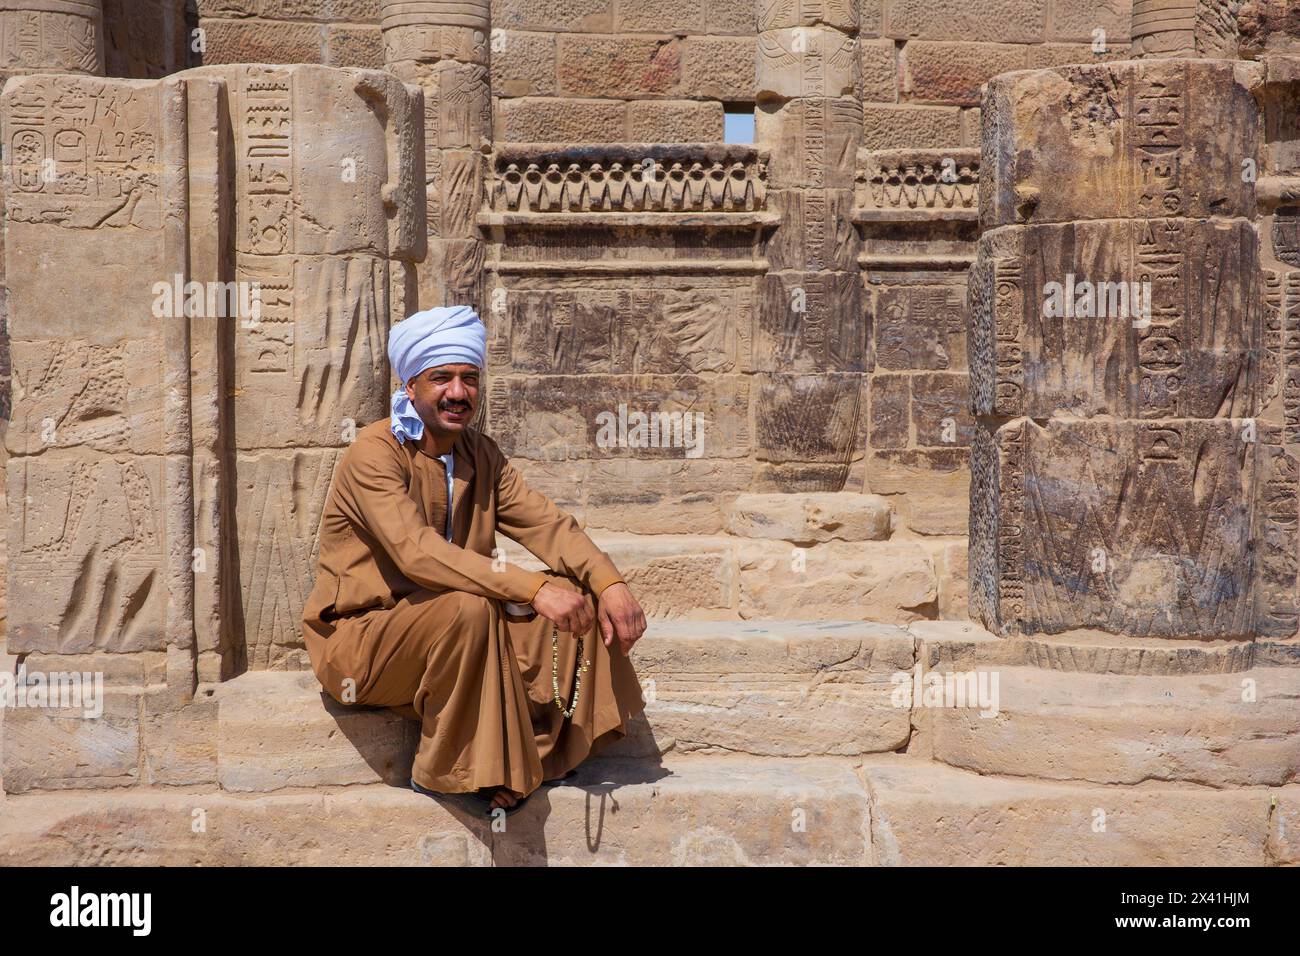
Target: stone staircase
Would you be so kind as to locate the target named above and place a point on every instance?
(765, 742)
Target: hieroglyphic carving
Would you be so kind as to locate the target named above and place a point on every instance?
(1138, 528)
(1278, 507)
(51, 36)
(1125, 125)
(1190, 28)
(86, 568)
(920, 327)
(625, 329)
(1143, 318)
(98, 481)
(317, 228)
(426, 31)
(280, 498)
(84, 154)
(807, 62)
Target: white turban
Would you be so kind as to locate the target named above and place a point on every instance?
(443, 336)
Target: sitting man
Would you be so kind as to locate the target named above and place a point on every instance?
(411, 606)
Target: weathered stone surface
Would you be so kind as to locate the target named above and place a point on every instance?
(813, 140)
(919, 327)
(1166, 138)
(621, 416)
(887, 126)
(807, 62)
(927, 815)
(61, 748)
(524, 65)
(891, 581)
(555, 120)
(674, 576)
(1130, 527)
(311, 740)
(718, 68)
(674, 121)
(739, 812)
(1187, 28)
(425, 32)
(700, 326)
(54, 36)
(953, 73)
(842, 516)
(1218, 730)
(1008, 21)
(1085, 346)
(617, 66)
(262, 41)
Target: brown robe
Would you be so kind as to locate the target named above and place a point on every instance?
(400, 616)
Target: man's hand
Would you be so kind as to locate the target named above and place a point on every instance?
(569, 610)
(620, 616)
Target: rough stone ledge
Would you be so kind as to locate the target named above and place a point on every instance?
(885, 810)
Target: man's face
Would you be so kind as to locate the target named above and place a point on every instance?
(445, 396)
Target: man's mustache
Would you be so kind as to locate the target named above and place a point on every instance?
(446, 406)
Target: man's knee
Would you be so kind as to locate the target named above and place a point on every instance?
(472, 612)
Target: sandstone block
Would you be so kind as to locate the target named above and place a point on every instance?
(621, 416)
(899, 127)
(816, 235)
(718, 68)
(802, 519)
(1005, 21)
(558, 120)
(928, 815)
(813, 140)
(919, 327)
(617, 66)
(697, 326)
(812, 321)
(1106, 524)
(263, 41)
(807, 62)
(809, 419)
(772, 689)
(525, 66)
(354, 46)
(581, 16)
(1217, 730)
(953, 73)
(674, 121)
(879, 65)
(55, 36)
(892, 582)
(1166, 137)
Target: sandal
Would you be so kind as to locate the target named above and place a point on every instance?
(559, 780)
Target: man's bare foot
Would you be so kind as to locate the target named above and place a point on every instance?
(503, 798)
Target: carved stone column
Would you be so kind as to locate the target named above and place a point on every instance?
(1115, 354)
(1191, 28)
(810, 345)
(173, 443)
(51, 36)
(443, 47)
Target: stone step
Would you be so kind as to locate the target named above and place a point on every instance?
(926, 814)
(964, 643)
(787, 689)
(892, 810)
(722, 577)
(1216, 730)
(613, 813)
